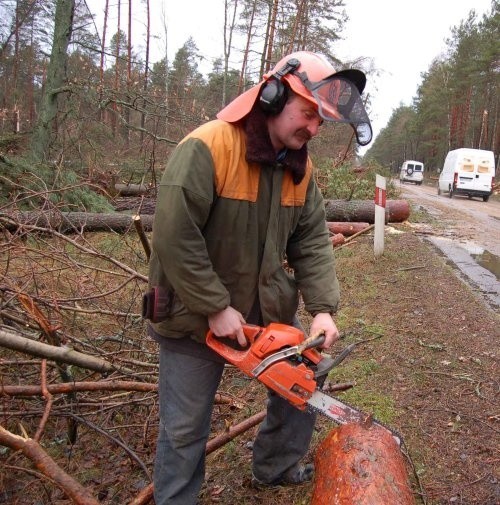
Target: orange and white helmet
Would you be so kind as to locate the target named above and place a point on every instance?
(311, 76)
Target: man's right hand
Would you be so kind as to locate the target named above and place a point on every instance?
(228, 323)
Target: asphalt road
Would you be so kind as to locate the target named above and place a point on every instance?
(467, 231)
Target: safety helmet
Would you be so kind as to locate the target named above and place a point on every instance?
(313, 77)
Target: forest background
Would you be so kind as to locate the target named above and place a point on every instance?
(81, 111)
(73, 96)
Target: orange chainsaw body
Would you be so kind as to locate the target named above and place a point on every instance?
(290, 376)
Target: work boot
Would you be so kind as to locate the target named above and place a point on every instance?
(298, 474)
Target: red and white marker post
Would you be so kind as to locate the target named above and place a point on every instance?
(380, 197)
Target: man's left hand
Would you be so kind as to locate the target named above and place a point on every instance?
(323, 323)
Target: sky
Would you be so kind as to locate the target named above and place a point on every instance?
(403, 38)
(400, 37)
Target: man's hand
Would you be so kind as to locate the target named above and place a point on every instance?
(228, 323)
(323, 323)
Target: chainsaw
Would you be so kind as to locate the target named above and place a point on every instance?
(282, 359)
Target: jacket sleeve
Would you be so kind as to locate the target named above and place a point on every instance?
(310, 254)
(185, 196)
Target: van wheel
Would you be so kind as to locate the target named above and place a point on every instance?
(486, 198)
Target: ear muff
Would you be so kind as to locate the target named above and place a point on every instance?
(273, 96)
(274, 93)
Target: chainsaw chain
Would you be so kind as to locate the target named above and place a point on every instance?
(310, 408)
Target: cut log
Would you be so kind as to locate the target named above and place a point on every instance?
(345, 228)
(130, 189)
(360, 465)
(337, 239)
(396, 211)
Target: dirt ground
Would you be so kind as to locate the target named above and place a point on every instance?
(435, 367)
(460, 218)
(425, 363)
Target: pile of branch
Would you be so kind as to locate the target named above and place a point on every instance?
(60, 289)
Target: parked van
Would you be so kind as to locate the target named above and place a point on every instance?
(412, 171)
(468, 172)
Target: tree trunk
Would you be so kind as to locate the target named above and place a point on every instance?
(360, 465)
(126, 129)
(55, 79)
(228, 40)
(243, 71)
(69, 222)
(146, 71)
(117, 70)
(66, 222)
(270, 41)
(101, 64)
(396, 211)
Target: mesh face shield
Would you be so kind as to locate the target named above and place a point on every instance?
(339, 100)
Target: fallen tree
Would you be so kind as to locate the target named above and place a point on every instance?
(75, 222)
(131, 189)
(16, 342)
(111, 385)
(48, 467)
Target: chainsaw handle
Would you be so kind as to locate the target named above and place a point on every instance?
(311, 342)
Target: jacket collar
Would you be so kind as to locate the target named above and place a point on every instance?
(260, 149)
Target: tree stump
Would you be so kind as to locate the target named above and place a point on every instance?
(360, 465)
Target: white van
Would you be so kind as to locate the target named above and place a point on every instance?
(412, 171)
(468, 172)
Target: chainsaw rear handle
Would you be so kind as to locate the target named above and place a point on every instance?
(264, 342)
(234, 356)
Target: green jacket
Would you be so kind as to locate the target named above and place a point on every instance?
(228, 216)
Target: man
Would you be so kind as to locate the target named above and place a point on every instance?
(238, 198)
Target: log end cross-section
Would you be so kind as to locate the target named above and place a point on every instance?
(360, 465)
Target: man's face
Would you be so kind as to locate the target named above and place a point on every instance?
(296, 124)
